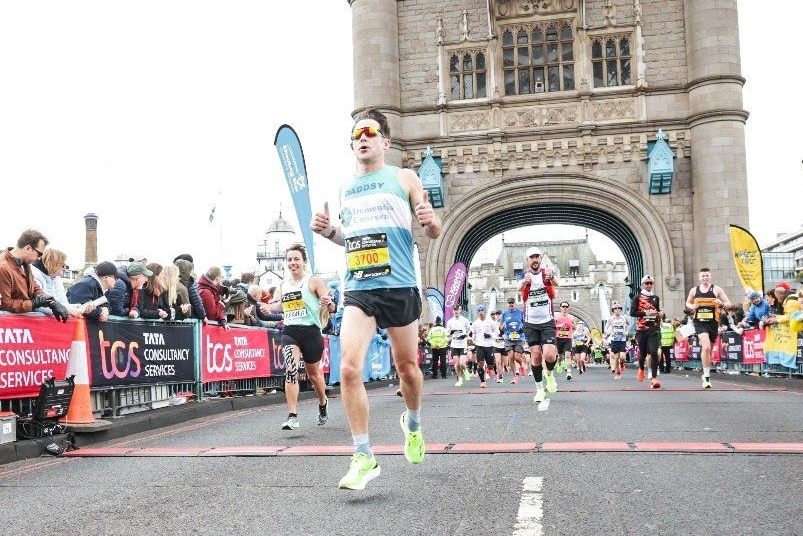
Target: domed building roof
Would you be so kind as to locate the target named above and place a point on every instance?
(280, 225)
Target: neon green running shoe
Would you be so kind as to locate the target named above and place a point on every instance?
(559, 368)
(361, 471)
(551, 384)
(414, 448)
(466, 374)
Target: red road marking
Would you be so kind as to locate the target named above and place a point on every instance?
(680, 447)
(491, 448)
(768, 447)
(587, 446)
(319, 450)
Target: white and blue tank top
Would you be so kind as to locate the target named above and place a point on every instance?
(376, 223)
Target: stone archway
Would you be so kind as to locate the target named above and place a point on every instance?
(595, 202)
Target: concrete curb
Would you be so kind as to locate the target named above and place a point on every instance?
(158, 418)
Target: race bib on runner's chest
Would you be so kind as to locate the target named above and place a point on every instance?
(293, 305)
(538, 297)
(706, 309)
(368, 256)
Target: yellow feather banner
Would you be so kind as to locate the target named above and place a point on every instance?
(747, 257)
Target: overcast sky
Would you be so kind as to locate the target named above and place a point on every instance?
(150, 113)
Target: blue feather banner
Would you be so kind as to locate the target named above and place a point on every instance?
(295, 171)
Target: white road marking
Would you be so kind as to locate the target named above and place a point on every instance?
(531, 508)
(543, 406)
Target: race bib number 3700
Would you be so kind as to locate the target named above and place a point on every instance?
(368, 256)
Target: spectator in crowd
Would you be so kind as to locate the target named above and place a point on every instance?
(246, 280)
(731, 318)
(771, 299)
(47, 272)
(124, 296)
(209, 286)
(186, 275)
(437, 337)
(178, 299)
(261, 311)
(759, 310)
(787, 303)
(152, 303)
(667, 344)
(780, 293)
(94, 285)
(235, 307)
(19, 290)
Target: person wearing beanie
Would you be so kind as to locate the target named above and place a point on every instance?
(758, 311)
(185, 257)
(705, 301)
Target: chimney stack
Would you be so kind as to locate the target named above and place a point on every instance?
(91, 250)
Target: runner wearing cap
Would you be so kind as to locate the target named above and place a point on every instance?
(537, 287)
(458, 328)
(646, 308)
(512, 322)
(564, 324)
(705, 300)
(483, 330)
(617, 329)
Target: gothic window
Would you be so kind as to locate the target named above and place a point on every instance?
(611, 61)
(538, 58)
(467, 75)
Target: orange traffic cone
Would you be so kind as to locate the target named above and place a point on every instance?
(80, 410)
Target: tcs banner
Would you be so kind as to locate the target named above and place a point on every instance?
(133, 353)
(32, 350)
(235, 354)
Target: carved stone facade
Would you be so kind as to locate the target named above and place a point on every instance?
(581, 142)
(587, 284)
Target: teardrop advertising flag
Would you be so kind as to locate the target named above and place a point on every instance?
(747, 257)
(295, 172)
(453, 289)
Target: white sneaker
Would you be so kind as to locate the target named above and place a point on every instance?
(540, 396)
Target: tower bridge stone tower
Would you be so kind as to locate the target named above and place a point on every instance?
(546, 112)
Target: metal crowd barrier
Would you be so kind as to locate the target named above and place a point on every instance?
(111, 400)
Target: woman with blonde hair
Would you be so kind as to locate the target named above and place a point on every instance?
(47, 273)
(178, 298)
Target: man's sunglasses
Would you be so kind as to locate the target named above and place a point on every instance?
(368, 131)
